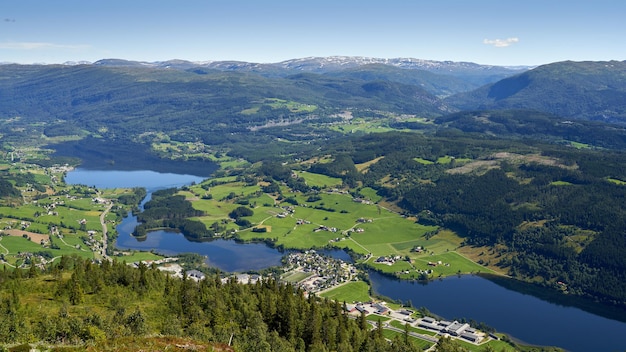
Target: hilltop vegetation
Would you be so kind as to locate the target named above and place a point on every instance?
(580, 90)
(98, 307)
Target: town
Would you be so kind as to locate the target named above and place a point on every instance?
(314, 273)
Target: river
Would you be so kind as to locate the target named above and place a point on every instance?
(524, 316)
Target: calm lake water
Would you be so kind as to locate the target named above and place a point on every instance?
(151, 180)
(524, 316)
(227, 255)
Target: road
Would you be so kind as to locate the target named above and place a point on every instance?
(105, 239)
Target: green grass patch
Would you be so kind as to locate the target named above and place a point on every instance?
(370, 193)
(355, 291)
(319, 180)
(424, 161)
(392, 334)
(579, 145)
(376, 317)
(616, 181)
(296, 276)
(276, 103)
(451, 263)
(560, 183)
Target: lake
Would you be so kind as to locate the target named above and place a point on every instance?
(151, 180)
(524, 316)
(227, 255)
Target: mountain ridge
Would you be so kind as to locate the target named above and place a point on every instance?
(594, 90)
(312, 63)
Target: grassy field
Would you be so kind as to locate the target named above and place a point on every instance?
(296, 277)
(363, 125)
(317, 180)
(400, 325)
(370, 193)
(423, 161)
(616, 181)
(561, 183)
(356, 291)
(335, 220)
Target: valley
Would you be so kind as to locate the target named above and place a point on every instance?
(367, 159)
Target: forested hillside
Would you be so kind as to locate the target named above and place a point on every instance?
(581, 90)
(122, 102)
(557, 214)
(113, 306)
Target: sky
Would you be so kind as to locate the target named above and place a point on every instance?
(491, 32)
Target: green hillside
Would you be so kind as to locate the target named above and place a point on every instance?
(122, 101)
(582, 90)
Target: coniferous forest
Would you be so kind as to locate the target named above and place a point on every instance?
(108, 306)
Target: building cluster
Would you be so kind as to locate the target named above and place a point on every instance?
(367, 308)
(454, 328)
(93, 243)
(325, 228)
(323, 272)
(244, 279)
(389, 260)
(361, 200)
(287, 211)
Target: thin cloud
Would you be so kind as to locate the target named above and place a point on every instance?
(501, 43)
(38, 45)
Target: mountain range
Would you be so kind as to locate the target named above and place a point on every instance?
(193, 99)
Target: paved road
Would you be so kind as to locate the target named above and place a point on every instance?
(105, 239)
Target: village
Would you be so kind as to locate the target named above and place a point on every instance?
(314, 273)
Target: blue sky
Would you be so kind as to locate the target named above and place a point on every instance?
(499, 32)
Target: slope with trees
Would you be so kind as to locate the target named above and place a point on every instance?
(581, 90)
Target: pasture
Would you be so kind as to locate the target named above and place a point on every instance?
(333, 219)
(318, 180)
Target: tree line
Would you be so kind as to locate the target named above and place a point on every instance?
(88, 304)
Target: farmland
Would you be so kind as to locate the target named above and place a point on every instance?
(54, 219)
(335, 219)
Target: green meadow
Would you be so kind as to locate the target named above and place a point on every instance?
(616, 181)
(355, 291)
(318, 180)
(331, 219)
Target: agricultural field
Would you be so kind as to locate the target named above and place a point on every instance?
(317, 180)
(54, 219)
(333, 219)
